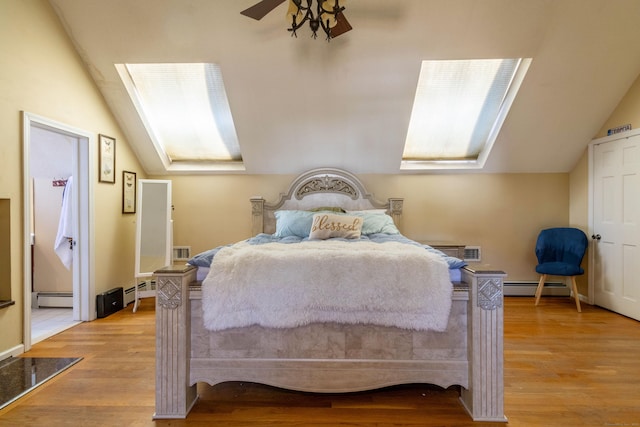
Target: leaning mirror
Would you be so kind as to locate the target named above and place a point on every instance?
(153, 233)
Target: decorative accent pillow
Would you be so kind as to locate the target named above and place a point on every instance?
(326, 225)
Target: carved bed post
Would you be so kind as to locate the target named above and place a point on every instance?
(174, 395)
(257, 215)
(395, 210)
(484, 399)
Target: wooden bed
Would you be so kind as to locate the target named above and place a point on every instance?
(328, 357)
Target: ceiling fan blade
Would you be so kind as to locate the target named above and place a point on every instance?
(260, 9)
(341, 27)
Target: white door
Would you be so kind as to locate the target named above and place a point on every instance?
(616, 228)
(84, 301)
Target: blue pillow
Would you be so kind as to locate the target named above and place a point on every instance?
(293, 223)
(376, 222)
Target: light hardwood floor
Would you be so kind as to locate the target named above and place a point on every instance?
(562, 368)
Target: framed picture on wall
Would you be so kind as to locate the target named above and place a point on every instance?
(128, 192)
(107, 159)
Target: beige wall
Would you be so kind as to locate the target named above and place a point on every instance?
(502, 213)
(41, 73)
(627, 111)
(579, 211)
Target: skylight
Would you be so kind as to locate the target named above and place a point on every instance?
(458, 110)
(185, 111)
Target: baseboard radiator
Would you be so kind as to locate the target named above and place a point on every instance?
(54, 299)
(528, 288)
(130, 293)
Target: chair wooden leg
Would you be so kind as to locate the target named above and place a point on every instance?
(574, 288)
(543, 278)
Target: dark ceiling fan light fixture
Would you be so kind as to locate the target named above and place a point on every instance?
(328, 14)
(261, 9)
(341, 27)
(325, 14)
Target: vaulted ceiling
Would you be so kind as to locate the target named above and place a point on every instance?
(300, 103)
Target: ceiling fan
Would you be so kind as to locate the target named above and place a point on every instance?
(328, 15)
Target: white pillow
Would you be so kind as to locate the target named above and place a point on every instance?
(326, 225)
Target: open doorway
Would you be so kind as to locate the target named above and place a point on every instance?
(56, 167)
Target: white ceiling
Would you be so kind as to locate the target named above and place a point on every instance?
(302, 103)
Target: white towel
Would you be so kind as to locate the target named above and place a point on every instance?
(62, 245)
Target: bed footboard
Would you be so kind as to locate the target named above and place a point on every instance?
(484, 398)
(174, 395)
(480, 373)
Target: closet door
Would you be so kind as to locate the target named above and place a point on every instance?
(153, 231)
(616, 225)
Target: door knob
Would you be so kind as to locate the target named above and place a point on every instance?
(596, 236)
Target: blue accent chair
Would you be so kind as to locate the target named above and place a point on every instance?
(560, 251)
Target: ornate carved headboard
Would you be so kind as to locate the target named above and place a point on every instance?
(320, 188)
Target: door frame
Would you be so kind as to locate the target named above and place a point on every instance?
(84, 306)
(590, 211)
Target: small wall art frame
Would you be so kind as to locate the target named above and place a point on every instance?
(128, 192)
(107, 159)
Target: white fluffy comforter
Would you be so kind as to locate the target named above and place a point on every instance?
(288, 285)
